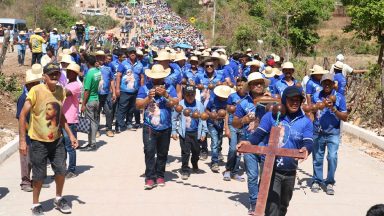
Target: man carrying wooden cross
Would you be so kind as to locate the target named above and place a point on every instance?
(294, 130)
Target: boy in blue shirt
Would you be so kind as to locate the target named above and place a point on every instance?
(153, 98)
(216, 124)
(296, 133)
(190, 130)
(327, 133)
(313, 85)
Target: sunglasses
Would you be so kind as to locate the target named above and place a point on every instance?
(256, 83)
(209, 66)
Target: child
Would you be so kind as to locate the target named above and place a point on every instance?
(216, 124)
(190, 129)
(33, 77)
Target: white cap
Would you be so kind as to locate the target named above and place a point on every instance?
(340, 57)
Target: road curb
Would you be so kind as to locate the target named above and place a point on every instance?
(7, 150)
(364, 134)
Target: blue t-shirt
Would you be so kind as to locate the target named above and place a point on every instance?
(131, 75)
(175, 77)
(312, 87)
(202, 78)
(326, 121)
(23, 41)
(19, 107)
(341, 82)
(234, 99)
(214, 105)
(191, 124)
(191, 76)
(54, 38)
(235, 67)
(245, 107)
(294, 131)
(105, 82)
(156, 114)
(272, 84)
(228, 72)
(281, 85)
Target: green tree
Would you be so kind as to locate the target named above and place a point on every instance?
(367, 21)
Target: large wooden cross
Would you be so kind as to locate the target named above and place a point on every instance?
(270, 151)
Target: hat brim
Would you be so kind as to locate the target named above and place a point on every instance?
(317, 72)
(157, 75)
(223, 94)
(269, 75)
(266, 83)
(162, 59)
(34, 80)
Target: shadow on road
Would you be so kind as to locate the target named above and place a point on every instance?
(48, 204)
(3, 192)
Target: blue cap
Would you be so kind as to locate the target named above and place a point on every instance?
(291, 91)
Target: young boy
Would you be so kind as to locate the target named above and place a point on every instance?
(190, 130)
(33, 77)
(71, 113)
(216, 124)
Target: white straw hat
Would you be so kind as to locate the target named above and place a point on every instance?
(35, 74)
(256, 76)
(223, 91)
(269, 72)
(162, 55)
(157, 72)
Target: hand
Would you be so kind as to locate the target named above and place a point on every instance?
(175, 136)
(117, 92)
(74, 142)
(151, 94)
(305, 151)
(113, 98)
(268, 94)
(328, 103)
(202, 139)
(23, 147)
(242, 143)
(83, 108)
(161, 91)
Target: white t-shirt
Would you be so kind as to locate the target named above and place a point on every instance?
(346, 69)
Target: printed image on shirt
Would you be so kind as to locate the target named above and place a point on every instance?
(153, 111)
(188, 121)
(101, 84)
(52, 116)
(129, 79)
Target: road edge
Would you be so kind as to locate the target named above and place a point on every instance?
(8, 150)
(364, 134)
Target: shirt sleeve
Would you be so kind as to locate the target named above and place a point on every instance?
(240, 112)
(308, 136)
(172, 92)
(142, 93)
(32, 96)
(74, 88)
(88, 81)
(121, 68)
(266, 122)
(308, 88)
(342, 106)
(348, 68)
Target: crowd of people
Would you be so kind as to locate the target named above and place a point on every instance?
(188, 95)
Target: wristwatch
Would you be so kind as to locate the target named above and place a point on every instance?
(334, 109)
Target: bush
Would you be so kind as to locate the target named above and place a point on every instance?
(8, 84)
(102, 22)
(55, 17)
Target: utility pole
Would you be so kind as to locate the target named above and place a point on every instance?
(213, 20)
(287, 35)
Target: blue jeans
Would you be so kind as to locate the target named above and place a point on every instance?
(216, 134)
(126, 106)
(251, 162)
(70, 150)
(21, 56)
(332, 143)
(233, 160)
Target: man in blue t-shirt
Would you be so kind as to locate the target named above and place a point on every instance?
(287, 80)
(54, 40)
(152, 98)
(296, 133)
(130, 77)
(327, 133)
(313, 84)
(107, 94)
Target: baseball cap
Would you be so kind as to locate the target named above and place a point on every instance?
(189, 89)
(51, 68)
(131, 49)
(291, 91)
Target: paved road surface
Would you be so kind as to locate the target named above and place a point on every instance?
(111, 183)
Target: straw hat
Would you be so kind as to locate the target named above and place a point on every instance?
(157, 72)
(197, 53)
(35, 74)
(254, 62)
(216, 55)
(249, 50)
(163, 55)
(38, 30)
(66, 59)
(269, 72)
(194, 58)
(317, 69)
(79, 22)
(180, 56)
(172, 56)
(74, 67)
(92, 28)
(256, 76)
(167, 48)
(54, 29)
(277, 71)
(201, 48)
(223, 91)
(66, 52)
(338, 65)
(100, 53)
(288, 65)
(22, 33)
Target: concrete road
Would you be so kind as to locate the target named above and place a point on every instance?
(110, 182)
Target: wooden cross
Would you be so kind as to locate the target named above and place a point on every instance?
(270, 151)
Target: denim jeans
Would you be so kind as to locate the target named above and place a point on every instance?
(320, 142)
(189, 144)
(251, 162)
(280, 193)
(156, 143)
(70, 150)
(106, 105)
(91, 112)
(127, 103)
(233, 160)
(216, 134)
(20, 56)
(115, 109)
